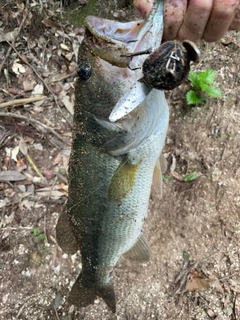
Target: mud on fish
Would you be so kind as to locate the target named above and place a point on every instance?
(120, 126)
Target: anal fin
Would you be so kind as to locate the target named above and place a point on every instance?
(140, 251)
(65, 234)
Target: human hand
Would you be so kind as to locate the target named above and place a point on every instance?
(196, 19)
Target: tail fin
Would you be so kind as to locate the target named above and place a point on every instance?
(107, 293)
(82, 296)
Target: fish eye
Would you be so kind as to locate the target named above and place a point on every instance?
(84, 72)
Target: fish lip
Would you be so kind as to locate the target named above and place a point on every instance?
(111, 40)
(114, 32)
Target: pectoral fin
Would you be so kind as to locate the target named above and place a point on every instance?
(140, 251)
(163, 163)
(160, 167)
(123, 181)
(66, 235)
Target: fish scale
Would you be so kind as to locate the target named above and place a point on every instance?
(112, 162)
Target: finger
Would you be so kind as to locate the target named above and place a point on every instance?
(195, 19)
(174, 11)
(220, 19)
(143, 6)
(235, 24)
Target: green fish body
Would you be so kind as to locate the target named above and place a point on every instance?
(114, 152)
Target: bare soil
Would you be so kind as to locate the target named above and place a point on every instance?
(193, 231)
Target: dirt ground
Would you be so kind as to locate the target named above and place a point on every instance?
(193, 232)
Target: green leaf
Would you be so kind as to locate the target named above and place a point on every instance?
(41, 237)
(193, 98)
(36, 231)
(207, 76)
(165, 177)
(204, 87)
(213, 91)
(193, 76)
(186, 256)
(190, 177)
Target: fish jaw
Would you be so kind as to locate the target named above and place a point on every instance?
(112, 41)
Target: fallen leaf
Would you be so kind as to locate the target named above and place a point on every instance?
(49, 174)
(11, 175)
(23, 147)
(9, 36)
(51, 24)
(3, 202)
(38, 89)
(197, 284)
(64, 47)
(68, 104)
(17, 67)
(177, 176)
(51, 194)
(14, 153)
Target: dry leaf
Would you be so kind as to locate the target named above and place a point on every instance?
(14, 153)
(64, 47)
(38, 89)
(3, 202)
(9, 36)
(68, 104)
(49, 174)
(51, 194)
(11, 175)
(51, 24)
(177, 176)
(23, 147)
(197, 284)
(17, 67)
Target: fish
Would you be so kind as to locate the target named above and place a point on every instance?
(119, 129)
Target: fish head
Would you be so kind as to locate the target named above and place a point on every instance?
(104, 75)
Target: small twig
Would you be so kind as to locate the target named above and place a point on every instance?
(13, 42)
(33, 165)
(13, 115)
(16, 228)
(20, 102)
(56, 313)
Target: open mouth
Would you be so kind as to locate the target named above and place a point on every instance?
(113, 41)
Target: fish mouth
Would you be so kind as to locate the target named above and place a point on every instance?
(114, 44)
(112, 41)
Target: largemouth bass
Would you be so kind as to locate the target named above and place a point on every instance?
(120, 127)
